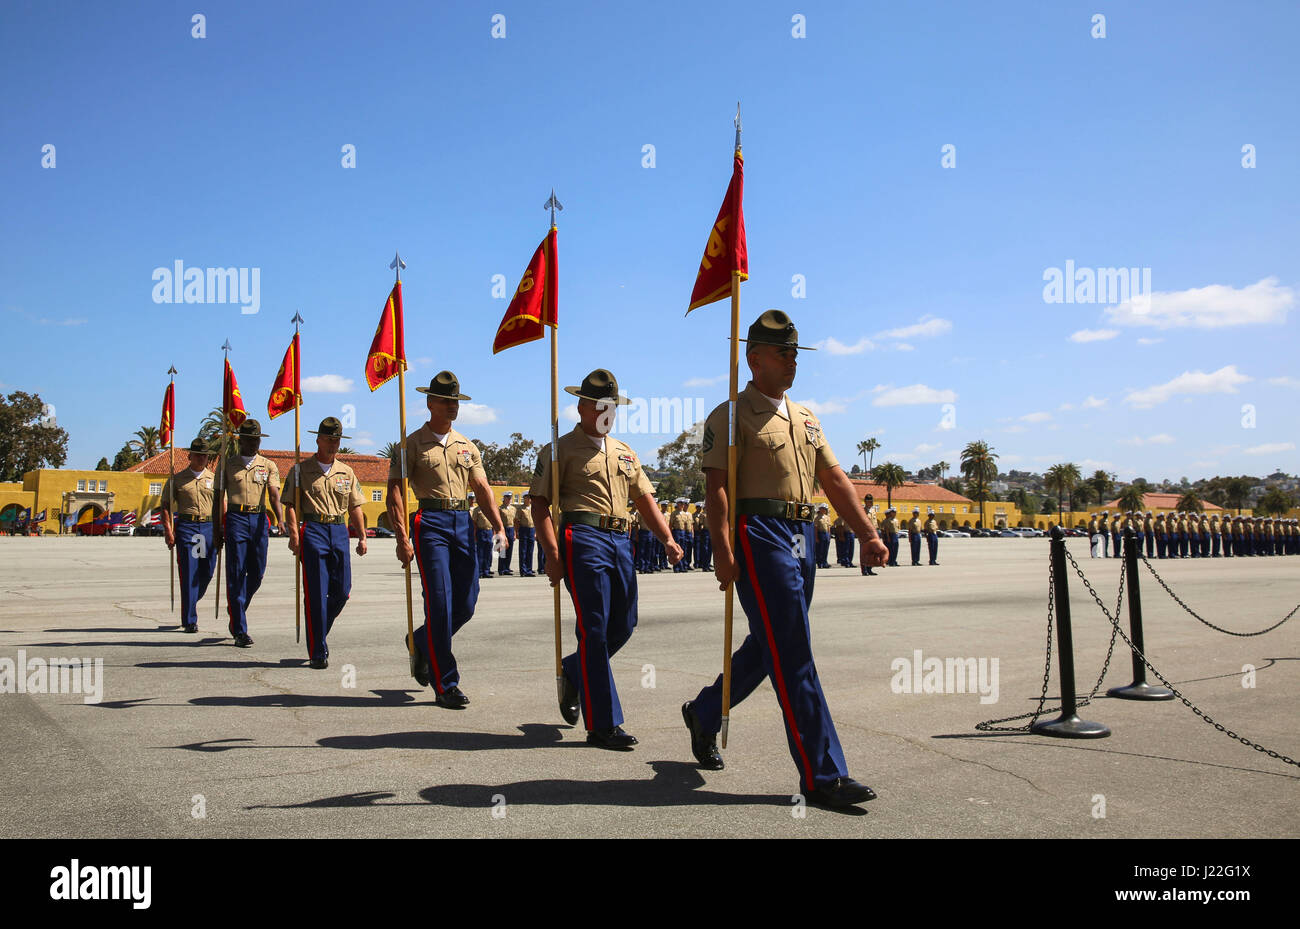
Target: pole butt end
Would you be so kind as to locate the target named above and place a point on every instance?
(559, 687)
(723, 734)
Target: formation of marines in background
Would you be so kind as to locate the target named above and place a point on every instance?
(1190, 534)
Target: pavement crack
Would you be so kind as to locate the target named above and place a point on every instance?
(925, 746)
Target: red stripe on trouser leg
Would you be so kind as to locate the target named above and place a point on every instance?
(582, 629)
(782, 694)
(306, 588)
(436, 677)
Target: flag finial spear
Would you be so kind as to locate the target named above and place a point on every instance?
(398, 264)
(172, 369)
(226, 348)
(297, 319)
(737, 125)
(552, 204)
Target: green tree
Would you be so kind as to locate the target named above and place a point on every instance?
(1130, 498)
(512, 462)
(347, 450)
(29, 439)
(390, 451)
(891, 475)
(103, 465)
(1190, 502)
(979, 467)
(125, 458)
(1274, 502)
(1102, 484)
(867, 448)
(145, 443)
(683, 460)
(1237, 490)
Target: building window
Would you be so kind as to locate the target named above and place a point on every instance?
(377, 496)
(103, 486)
(81, 484)
(155, 488)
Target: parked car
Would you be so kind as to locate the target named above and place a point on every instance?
(378, 532)
(1008, 534)
(122, 530)
(952, 534)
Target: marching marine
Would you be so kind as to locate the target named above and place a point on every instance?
(187, 524)
(251, 487)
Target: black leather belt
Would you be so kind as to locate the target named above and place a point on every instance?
(186, 518)
(241, 508)
(327, 520)
(786, 509)
(443, 503)
(595, 520)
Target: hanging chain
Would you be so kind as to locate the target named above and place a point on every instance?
(1193, 613)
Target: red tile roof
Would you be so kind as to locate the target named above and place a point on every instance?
(370, 469)
(910, 491)
(1154, 502)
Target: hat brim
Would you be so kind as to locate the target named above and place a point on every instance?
(802, 348)
(425, 390)
(252, 435)
(577, 392)
(328, 436)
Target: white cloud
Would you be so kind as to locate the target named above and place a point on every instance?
(1222, 381)
(570, 413)
(903, 347)
(1162, 439)
(363, 440)
(326, 384)
(836, 347)
(705, 381)
(1285, 380)
(1093, 335)
(825, 407)
(1212, 307)
(1090, 464)
(1035, 417)
(1065, 406)
(928, 327)
(926, 447)
(1146, 341)
(911, 395)
(1269, 448)
(1015, 429)
(424, 362)
(1092, 403)
(476, 414)
(1204, 464)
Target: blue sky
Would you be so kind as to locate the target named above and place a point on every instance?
(924, 284)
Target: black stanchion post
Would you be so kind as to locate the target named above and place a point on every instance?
(1139, 689)
(1068, 725)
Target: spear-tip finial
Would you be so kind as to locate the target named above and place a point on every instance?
(297, 319)
(226, 347)
(738, 127)
(172, 369)
(397, 264)
(552, 204)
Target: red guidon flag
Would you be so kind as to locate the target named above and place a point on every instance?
(388, 348)
(286, 392)
(725, 251)
(232, 404)
(535, 304)
(168, 416)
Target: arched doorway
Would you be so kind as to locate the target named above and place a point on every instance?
(383, 521)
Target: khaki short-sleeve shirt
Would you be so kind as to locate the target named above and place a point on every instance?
(247, 485)
(332, 494)
(591, 480)
(437, 470)
(778, 457)
(192, 495)
(524, 516)
(480, 518)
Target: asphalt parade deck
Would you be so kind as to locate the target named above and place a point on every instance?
(261, 746)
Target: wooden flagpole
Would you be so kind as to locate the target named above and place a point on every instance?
(732, 462)
(297, 477)
(220, 497)
(397, 265)
(171, 449)
(552, 204)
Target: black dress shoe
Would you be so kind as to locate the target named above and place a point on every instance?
(243, 640)
(319, 664)
(569, 702)
(421, 670)
(704, 745)
(614, 738)
(841, 792)
(189, 627)
(452, 699)
(867, 572)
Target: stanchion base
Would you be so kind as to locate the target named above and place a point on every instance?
(1070, 727)
(1141, 690)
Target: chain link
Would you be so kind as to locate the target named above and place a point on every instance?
(1178, 600)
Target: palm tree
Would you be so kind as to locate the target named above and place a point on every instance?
(1054, 482)
(145, 444)
(1072, 480)
(891, 475)
(391, 450)
(979, 467)
(868, 447)
(944, 468)
(1237, 490)
(1190, 502)
(1102, 484)
(212, 430)
(1130, 498)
